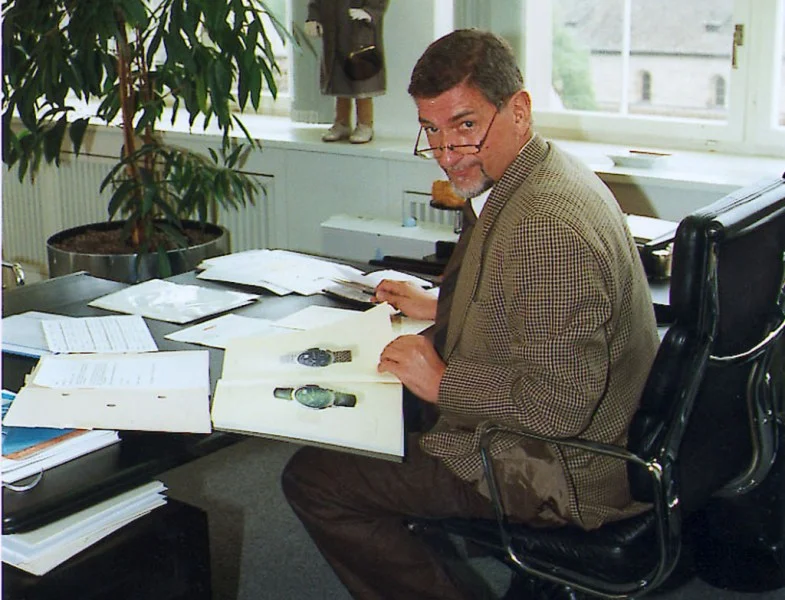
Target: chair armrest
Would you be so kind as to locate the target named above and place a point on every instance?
(16, 269)
(665, 506)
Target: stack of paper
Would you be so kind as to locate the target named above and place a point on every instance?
(283, 272)
(156, 391)
(319, 386)
(29, 451)
(41, 550)
(646, 229)
(279, 271)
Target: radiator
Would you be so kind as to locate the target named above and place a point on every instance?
(60, 198)
(68, 197)
(250, 226)
(419, 208)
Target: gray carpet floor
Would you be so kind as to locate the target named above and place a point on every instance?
(259, 550)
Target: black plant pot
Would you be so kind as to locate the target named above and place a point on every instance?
(131, 268)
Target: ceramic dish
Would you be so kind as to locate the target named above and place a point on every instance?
(638, 159)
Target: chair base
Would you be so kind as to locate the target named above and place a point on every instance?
(740, 540)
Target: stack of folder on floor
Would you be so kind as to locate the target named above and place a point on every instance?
(41, 550)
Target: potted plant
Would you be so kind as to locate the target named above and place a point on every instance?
(137, 64)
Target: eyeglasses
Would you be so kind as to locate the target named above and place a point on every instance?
(429, 153)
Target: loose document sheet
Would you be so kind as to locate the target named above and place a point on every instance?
(172, 302)
(99, 334)
(220, 331)
(157, 391)
(24, 334)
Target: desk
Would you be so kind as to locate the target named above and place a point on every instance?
(162, 555)
(140, 456)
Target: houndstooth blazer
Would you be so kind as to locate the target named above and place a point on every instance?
(551, 329)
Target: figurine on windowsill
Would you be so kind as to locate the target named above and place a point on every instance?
(352, 61)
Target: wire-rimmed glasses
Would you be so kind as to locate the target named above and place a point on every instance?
(433, 151)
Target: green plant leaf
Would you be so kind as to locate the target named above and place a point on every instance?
(53, 141)
(76, 131)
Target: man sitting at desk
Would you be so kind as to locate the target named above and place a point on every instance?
(544, 322)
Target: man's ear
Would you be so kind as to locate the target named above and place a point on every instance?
(521, 105)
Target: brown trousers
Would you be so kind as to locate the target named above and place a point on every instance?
(355, 508)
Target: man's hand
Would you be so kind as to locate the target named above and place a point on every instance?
(313, 29)
(359, 14)
(413, 360)
(409, 298)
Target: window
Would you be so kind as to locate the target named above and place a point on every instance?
(719, 68)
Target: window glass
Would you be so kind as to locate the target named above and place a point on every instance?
(668, 58)
(280, 8)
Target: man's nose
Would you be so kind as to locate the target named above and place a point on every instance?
(447, 157)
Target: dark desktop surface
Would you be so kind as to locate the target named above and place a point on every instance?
(140, 456)
(102, 474)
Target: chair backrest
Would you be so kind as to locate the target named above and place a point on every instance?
(705, 402)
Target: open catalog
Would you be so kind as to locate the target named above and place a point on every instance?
(318, 386)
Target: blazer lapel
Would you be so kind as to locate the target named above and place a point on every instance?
(471, 266)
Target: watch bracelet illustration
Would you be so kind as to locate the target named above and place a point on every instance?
(318, 357)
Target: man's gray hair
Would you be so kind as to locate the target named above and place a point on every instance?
(482, 59)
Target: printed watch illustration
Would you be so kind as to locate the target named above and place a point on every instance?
(315, 396)
(318, 357)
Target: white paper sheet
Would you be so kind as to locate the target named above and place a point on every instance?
(172, 302)
(162, 370)
(359, 339)
(24, 334)
(219, 331)
(127, 333)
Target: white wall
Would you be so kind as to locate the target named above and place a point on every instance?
(409, 26)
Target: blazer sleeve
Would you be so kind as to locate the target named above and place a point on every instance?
(546, 327)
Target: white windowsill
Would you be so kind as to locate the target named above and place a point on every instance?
(683, 169)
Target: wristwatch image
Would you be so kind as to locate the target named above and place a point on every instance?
(319, 357)
(315, 396)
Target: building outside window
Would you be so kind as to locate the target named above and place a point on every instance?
(719, 67)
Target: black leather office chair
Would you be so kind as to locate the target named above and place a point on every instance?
(706, 424)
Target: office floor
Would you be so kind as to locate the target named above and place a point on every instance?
(261, 552)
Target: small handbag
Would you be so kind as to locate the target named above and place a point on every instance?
(365, 60)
